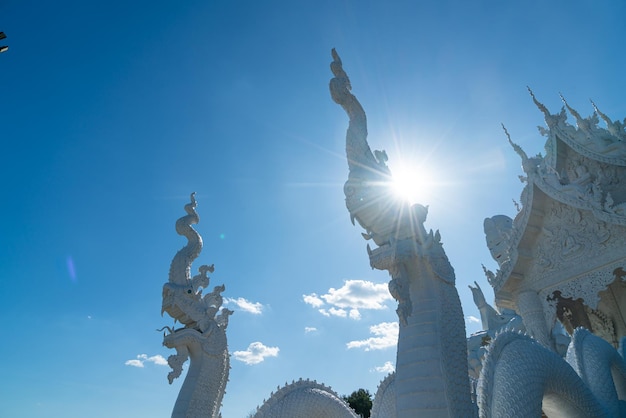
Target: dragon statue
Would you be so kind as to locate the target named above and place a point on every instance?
(202, 340)
(430, 380)
(520, 377)
(304, 399)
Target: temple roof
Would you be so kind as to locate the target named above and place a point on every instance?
(586, 138)
(584, 168)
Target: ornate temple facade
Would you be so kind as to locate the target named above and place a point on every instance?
(561, 260)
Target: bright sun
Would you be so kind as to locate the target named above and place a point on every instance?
(413, 183)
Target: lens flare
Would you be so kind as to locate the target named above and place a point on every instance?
(71, 269)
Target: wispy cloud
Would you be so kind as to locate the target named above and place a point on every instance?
(256, 353)
(308, 330)
(387, 368)
(386, 335)
(350, 298)
(141, 359)
(470, 319)
(245, 305)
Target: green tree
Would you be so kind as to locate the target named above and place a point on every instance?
(361, 401)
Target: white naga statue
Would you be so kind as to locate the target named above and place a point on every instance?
(202, 340)
(493, 322)
(520, 377)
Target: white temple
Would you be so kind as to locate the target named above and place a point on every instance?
(562, 257)
(550, 346)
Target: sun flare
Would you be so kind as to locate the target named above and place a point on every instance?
(415, 183)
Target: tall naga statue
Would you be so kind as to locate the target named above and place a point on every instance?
(520, 377)
(431, 367)
(202, 340)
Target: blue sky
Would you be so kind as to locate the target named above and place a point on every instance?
(113, 112)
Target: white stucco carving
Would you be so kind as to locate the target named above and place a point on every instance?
(493, 322)
(491, 319)
(384, 403)
(521, 378)
(498, 231)
(532, 312)
(575, 209)
(509, 254)
(586, 287)
(590, 179)
(202, 340)
(304, 399)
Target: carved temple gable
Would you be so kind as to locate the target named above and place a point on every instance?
(568, 236)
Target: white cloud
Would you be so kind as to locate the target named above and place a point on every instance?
(134, 363)
(141, 359)
(159, 360)
(245, 305)
(472, 319)
(348, 299)
(338, 312)
(358, 294)
(386, 336)
(313, 300)
(256, 353)
(387, 368)
(309, 329)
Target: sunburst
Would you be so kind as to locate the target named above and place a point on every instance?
(413, 182)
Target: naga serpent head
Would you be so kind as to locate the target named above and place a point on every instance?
(370, 198)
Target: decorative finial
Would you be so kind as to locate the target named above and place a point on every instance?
(516, 147)
(540, 105)
(579, 119)
(615, 128)
(528, 164)
(602, 115)
(551, 120)
(491, 277)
